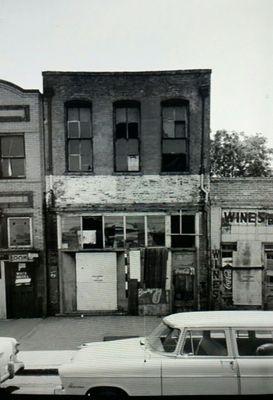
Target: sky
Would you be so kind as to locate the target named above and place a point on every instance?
(234, 38)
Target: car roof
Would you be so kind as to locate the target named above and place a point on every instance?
(221, 319)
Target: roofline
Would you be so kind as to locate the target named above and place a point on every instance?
(19, 87)
(128, 73)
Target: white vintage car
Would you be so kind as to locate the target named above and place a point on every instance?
(193, 353)
(9, 364)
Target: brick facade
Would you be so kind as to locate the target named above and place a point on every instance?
(21, 114)
(242, 242)
(149, 194)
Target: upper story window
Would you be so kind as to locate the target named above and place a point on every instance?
(127, 131)
(79, 138)
(175, 136)
(12, 156)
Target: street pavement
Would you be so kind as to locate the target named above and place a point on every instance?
(49, 342)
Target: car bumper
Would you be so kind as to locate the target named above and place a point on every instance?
(59, 390)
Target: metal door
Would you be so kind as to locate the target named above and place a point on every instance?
(96, 277)
(20, 290)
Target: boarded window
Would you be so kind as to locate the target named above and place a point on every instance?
(19, 232)
(127, 138)
(79, 139)
(114, 231)
(174, 137)
(183, 231)
(12, 156)
(155, 266)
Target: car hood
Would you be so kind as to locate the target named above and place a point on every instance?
(114, 349)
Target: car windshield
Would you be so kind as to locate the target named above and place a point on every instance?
(163, 338)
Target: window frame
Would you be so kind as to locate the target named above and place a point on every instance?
(195, 235)
(30, 232)
(127, 104)
(229, 343)
(124, 221)
(235, 346)
(13, 134)
(78, 104)
(176, 103)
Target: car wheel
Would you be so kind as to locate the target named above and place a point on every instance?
(106, 394)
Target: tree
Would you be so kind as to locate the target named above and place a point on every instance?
(236, 154)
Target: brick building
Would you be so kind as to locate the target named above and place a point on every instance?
(22, 264)
(242, 243)
(127, 180)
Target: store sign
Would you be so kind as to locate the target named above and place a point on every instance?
(247, 217)
(227, 279)
(23, 257)
(215, 282)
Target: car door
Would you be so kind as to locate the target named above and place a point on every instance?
(254, 352)
(203, 365)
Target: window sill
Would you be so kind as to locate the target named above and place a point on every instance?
(11, 178)
(193, 249)
(70, 173)
(175, 173)
(128, 173)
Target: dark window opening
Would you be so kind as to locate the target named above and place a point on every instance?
(183, 231)
(79, 137)
(175, 138)
(12, 156)
(127, 122)
(92, 232)
(183, 287)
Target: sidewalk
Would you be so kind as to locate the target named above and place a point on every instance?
(47, 343)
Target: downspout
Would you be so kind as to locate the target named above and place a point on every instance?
(204, 92)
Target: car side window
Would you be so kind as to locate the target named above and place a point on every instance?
(205, 343)
(254, 342)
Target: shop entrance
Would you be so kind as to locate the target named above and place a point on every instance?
(96, 280)
(20, 293)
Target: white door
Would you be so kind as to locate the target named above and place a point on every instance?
(205, 367)
(96, 277)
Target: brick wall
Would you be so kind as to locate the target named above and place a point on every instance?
(33, 183)
(236, 192)
(75, 191)
(102, 89)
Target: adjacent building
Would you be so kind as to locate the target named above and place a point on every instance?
(242, 243)
(127, 163)
(22, 256)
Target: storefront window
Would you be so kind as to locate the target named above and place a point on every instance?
(19, 232)
(183, 231)
(156, 230)
(71, 232)
(92, 232)
(135, 236)
(114, 232)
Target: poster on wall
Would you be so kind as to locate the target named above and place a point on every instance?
(247, 287)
